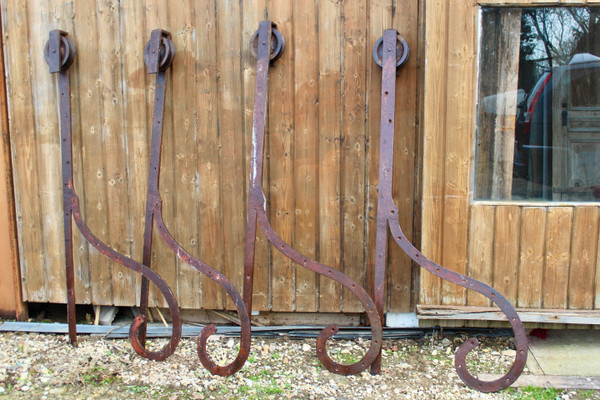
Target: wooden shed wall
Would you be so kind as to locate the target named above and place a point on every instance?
(539, 255)
(322, 145)
(11, 304)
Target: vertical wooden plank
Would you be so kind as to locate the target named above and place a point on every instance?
(380, 18)
(458, 150)
(185, 225)
(354, 147)
(119, 234)
(406, 21)
(455, 233)
(418, 202)
(281, 151)
(597, 286)
(330, 64)
(11, 300)
(583, 256)
(487, 86)
(40, 21)
(531, 259)
(231, 139)
(433, 144)
(306, 151)
(92, 173)
(558, 256)
(506, 251)
(64, 13)
(163, 260)
(506, 104)
(23, 138)
(136, 123)
(211, 227)
(481, 249)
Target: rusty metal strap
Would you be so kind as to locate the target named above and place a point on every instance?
(389, 52)
(59, 54)
(158, 56)
(268, 44)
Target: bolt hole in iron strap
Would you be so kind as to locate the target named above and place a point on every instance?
(387, 55)
(59, 54)
(267, 45)
(158, 56)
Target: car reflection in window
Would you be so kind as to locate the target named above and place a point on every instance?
(557, 141)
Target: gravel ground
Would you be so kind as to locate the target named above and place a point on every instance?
(34, 366)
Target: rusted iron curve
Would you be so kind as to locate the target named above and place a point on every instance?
(387, 216)
(59, 54)
(262, 45)
(158, 55)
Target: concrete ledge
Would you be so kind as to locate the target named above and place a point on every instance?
(551, 381)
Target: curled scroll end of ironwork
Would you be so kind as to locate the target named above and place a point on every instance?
(322, 338)
(461, 354)
(59, 51)
(366, 360)
(341, 369)
(277, 45)
(223, 370)
(159, 51)
(348, 283)
(221, 280)
(504, 381)
(245, 342)
(401, 51)
(236, 364)
(139, 322)
(202, 342)
(140, 348)
(232, 367)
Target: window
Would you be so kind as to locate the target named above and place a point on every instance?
(538, 116)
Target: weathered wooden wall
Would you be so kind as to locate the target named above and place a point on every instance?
(322, 145)
(539, 255)
(11, 304)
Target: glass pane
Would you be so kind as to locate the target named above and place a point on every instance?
(538, 117)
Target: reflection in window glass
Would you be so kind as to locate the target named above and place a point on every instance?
(538, 118)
